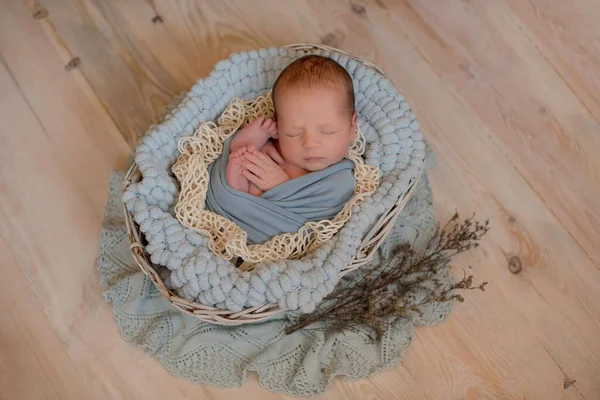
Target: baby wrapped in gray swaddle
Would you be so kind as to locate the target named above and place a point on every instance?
(305, 176)
(285, 208)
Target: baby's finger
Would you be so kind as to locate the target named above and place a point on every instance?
(274, 154)
(258, 158)
(267, 123)
(266, 159)
(253, 179)
(255, 169)
(272, 130)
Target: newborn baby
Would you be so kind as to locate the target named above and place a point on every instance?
(315, 121)
(274, 177)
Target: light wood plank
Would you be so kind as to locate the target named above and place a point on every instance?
(49, 222)
(122, 85)
(479, 50)
(558, 276)
(33, 362)
(567, 36)
(390, 385)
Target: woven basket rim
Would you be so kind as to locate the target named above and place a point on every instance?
(369, 245)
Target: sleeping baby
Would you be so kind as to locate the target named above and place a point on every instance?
(275, 175)
(315, 123)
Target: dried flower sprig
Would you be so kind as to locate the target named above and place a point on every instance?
(381, 294)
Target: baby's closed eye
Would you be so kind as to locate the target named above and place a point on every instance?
(291, 134)
(325, 132)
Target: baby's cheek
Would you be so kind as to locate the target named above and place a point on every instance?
(287, 151)
(341, 148)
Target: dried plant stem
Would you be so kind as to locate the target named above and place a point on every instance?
(382, 293)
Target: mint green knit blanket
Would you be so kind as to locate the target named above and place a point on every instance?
(301, 364)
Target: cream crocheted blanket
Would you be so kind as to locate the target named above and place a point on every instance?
(228, 240)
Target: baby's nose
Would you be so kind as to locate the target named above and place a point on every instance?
(311, 140)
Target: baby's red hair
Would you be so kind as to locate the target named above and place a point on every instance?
(313, 71)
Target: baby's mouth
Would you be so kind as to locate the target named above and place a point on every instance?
(314, 159)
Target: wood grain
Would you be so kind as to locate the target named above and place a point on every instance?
(504, 91)
(568, 38)
(533, 115)
(470, 179)
(34, 364)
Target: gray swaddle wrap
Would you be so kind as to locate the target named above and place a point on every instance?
(285, 208)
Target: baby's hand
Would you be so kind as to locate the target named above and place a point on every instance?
(262, 171)
(270, 150)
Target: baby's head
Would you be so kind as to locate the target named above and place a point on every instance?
(314, 110)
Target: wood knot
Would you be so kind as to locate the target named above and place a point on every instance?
(467, 70)
(39, 11)
(331, 39)
(568, 382)
(74, 63)
(514, 265)
(359, 8)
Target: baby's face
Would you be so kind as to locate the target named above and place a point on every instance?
(313, 127)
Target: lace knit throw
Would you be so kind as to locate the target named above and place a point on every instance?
(301, 364)
(393, 143)
(227, 238)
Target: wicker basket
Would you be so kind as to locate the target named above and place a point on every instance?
(371, 242)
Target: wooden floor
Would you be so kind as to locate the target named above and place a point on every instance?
(506, 91)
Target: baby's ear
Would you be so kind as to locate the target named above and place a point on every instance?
(353, 128)
(276, 135)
